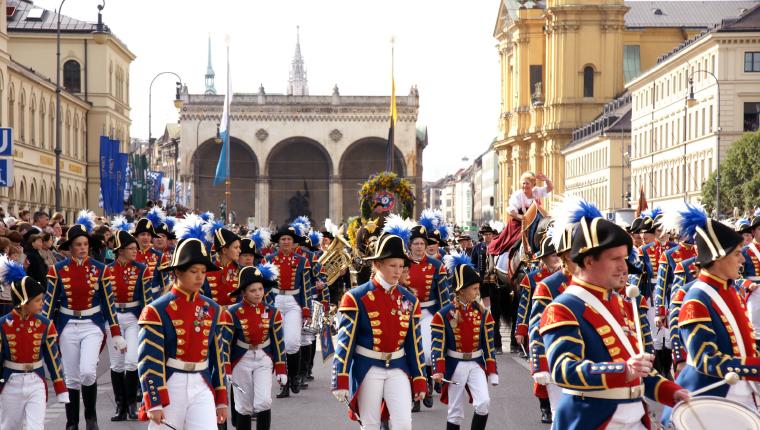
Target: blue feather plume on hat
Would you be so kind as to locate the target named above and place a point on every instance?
(569, 212)
(652, 213)
(269, 271)
(156, 216)
(207, 216)
(213, 226)
(170, 222)
(428, 220)
(455, 259)
(261, 237)
(120, 223)
(443, 231)
(192, 227)
(398, 226)
(315, 238)
(685, 218)
(10, 270)
(86, 219)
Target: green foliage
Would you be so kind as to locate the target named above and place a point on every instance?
(739, 176)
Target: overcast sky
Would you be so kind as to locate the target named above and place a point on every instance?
(445, 48)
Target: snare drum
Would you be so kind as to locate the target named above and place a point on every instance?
(710, 412)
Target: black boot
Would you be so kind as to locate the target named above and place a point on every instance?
(546, 411)
(234, 415)
(131, 381)
(72, 410)
(313, 352)
(243, 422)
(416, 406)
(284, 391)
(294, 366)
(263, 420)
(451, 426)
(303, 367)
(117, 382)
(479, 422)
(90, 400)
(428, 400)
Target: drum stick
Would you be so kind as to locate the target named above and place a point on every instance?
(235, 385)
(523, 348)
(632, 292)
(731, 378)
(356, 413)
(449, 382)
(168, 425)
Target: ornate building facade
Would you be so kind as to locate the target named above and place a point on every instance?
(563, 60)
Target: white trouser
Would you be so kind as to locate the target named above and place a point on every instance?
(392, 385)
(191, 404)
(254, 375)
(753, 308)
(555, 395)
(23, 402)
(741, 392)
(471, 375)
(80, 348)
(127, 361)
(292, 322)
(660, 336)
(627, 416)
(427, 335)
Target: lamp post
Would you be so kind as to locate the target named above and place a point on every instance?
(178, 103)
(691, 101)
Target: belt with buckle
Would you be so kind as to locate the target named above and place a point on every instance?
(244, 345)
(82, 313)
(377, 355)
(285, 292)
(427, 304)
(187, 366)
(23, 367)
(127, 305)
(464, 355)
(621, 393)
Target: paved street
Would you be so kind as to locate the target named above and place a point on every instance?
(512, 404)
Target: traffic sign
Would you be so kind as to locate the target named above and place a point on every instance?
(6, 172)
(6, 142)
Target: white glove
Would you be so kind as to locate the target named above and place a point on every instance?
(119, 343)
(542, 378)
(341, 395)
(282, 379)
(493, 379)
(63, 397)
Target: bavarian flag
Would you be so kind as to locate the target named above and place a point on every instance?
(389, 153)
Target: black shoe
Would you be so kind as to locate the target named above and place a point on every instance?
(479, 422)
(295, 386)
(309, 376)
(428, 401)
(131, 381)
(451, 426)
(416, 406)
(119, 388)
(90, 400)
(284, 392)
(72, 410)
(385, 425)
(546, 415)
(263, 420)
(437, 387)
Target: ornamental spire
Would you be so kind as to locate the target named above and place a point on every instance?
(209, 72)
(297, 82)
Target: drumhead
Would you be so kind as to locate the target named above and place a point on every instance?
(710, 412)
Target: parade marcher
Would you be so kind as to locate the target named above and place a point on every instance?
(744, 228)
(379, 347)
(322, 295)
(166, 236)
(221, 283)
(291, 299)
(713, 320)
(79, 295)
(130, 282)
(30, 341)
(145, 232)
(590, 346)
(463, 346)
(550, 263)
(256, 347)
(683, 277)
(751, 252)
(428, 281)
(181, 360)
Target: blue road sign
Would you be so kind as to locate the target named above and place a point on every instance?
(6, 142)
(6, 172)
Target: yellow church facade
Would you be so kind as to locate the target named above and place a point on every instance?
(563, 60)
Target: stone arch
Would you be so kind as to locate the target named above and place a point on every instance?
(361, 159)
(43, 195)
(244, 172)
(68, 203)
(22, 191)
(293, 166)
(33, 194)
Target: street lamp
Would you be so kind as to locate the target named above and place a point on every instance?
(178, 103)
(100, 35)
(691, 101)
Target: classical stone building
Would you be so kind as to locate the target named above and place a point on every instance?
(94, 101)
(691, 106)
(563, 60)
(294, 147)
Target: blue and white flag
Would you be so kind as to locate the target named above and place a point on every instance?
(223, 165)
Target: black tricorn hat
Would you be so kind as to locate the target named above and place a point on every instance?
(75, 231)
(636, 225)
(547, 248)
(24, 290)
(462, 271)
(144, 226)
(327, 234)
(224, 237)
(122, 239)
(190, 251)
(288, 230)
(163, 228)
(597, 234)
(266, 273)
(248, 247)
(486, 228)
(754, 222)
(419, 231)
(648, 225)
(389, 246)
(715, 241)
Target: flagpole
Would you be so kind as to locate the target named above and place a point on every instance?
(228, 181)
(393, 89)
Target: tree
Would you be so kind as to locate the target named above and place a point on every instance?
(739, 176)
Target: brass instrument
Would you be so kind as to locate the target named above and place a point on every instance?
(336, 258)
(316, 321)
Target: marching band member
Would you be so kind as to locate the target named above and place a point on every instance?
(166, 237)
(683, 276)
(181, 361)
(130, 282)
(713, 319)
(220, 284)
(463, 349)
(256, 347)
(29, 341)
(591, 353)
(79, 296)
(145, 233)
(429, 284)
(291, 299)
(251, 249)
(322, 295)
(379, 349)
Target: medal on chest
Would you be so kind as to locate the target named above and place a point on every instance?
(200, 315)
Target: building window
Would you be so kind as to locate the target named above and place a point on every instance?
(751, 116)
(752, 61)
(536, 73)
(72, 76)
(631, 62)
(588, 81)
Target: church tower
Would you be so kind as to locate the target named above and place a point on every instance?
(297, 83)
(209, 72)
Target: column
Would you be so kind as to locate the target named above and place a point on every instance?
(261, 209)
(336, 199)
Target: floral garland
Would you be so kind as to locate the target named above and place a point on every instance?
(392, 183)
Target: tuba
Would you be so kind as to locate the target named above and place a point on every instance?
(316, 321)
(336, 258)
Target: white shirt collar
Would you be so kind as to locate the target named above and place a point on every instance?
(380, 280)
